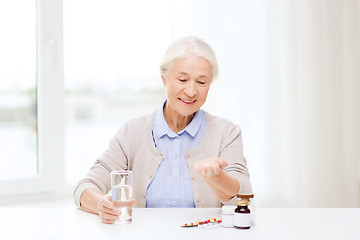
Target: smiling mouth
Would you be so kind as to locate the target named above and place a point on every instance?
(187, 101)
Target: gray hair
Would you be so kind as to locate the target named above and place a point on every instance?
(188, 46)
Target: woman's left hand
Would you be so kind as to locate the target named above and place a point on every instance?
(210, 167)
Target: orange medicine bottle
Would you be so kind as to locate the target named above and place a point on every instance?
(242, 218)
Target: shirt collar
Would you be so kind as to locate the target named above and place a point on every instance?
(161, 128)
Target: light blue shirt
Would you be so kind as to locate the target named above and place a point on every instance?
(171, 186)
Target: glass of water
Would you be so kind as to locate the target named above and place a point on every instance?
(121, 191)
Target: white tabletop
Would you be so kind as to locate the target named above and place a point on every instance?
(270, 223)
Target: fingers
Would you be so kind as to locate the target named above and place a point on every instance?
(108, 212)
(107, 202)
(209, 171)
(223, 163)
(210, 167)
(107, 217)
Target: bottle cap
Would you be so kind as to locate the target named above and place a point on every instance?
(249, 195)
(228, 209)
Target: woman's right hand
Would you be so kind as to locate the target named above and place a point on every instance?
(106, 210)
(94, 201)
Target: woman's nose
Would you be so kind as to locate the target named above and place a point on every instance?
(190, 90)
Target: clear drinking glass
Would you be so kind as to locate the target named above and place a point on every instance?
(121, 191)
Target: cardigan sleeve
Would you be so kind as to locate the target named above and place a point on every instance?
(114, 158)
(232, 152)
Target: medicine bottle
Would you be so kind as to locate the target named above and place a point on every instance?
(228, 216)
(242, 217)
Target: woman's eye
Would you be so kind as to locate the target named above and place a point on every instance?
(182, 80)
(202, 83)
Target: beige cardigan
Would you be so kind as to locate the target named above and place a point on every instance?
(133, 148)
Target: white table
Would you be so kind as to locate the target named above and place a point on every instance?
(270, 223)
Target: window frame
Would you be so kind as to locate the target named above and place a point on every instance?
(50, 100)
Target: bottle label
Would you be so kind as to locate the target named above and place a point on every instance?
(242, 220)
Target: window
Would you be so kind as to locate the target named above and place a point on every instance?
(62, 116)
(31, 87)
(111, 75)
(18, 121)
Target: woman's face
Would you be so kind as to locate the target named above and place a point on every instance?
(187, 84)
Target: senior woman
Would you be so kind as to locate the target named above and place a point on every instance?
(180, 155)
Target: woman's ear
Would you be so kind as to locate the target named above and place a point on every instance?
(164, 81)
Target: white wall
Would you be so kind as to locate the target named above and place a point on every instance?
(289, 76)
